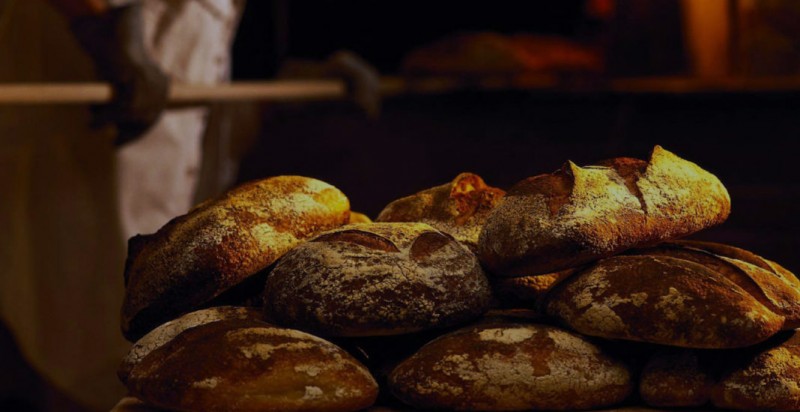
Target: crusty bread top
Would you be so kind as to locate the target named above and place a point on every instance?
(221, 242)
(579, 214)
(377, 279)
(662, 300)
(510, 366)
(459, 208)
(159, 336)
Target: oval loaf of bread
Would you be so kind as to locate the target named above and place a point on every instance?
(164, 333)
(247, 365)
(663, 300)
(577, 215)
(459, 208)
(220, 243)
(777, 291)
(506, 366)
(377, 279)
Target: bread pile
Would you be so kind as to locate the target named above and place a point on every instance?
(574, 290)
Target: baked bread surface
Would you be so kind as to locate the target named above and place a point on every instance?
(247, 365)
(505, 366)
(377, 279)
(220, 243)
(556, 221)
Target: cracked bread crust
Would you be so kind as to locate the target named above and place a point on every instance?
(377, 279)
(503, 366)
(220, 243)
(576, 215)
(459, 208)
(662, 300)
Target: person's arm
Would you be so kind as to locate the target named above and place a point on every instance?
(112, 36)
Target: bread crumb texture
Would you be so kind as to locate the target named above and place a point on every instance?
(221, 242)
(661, 300)
(377, 279)
(246, 365)
(510, 366)
(552, 222)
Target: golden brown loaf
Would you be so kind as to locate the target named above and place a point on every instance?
(220, 243)
(159, 336)
(576, 215)
(377, 279)
(525, 291)
(459, 208)
(247, 365)
(356, 217)
(663, 300)
(510, 366)
(778, 292)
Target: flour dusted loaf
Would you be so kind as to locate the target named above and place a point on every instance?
(248, 365)
(221, 243)
(677, 378)
(578, 214)
(159, 336)
(663, 300)
(459, 208)
(778, 291)
(506, 366)
(377, 279)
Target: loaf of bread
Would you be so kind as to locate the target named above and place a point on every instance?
(377, 279)
(663, 300)
(526, 291)
(159, 336)
(577, 215)
(459, 208)
(676, 378)
(248, 365)
(221, 243)
(510, 366)
(778, 292)
(356, 217)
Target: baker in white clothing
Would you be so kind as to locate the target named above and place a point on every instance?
(73, 194)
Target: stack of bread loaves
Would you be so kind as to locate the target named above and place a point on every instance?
(570, 291)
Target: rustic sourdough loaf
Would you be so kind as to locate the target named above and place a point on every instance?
(164, 333)
(248, 365)
(377, 279)
(459, 208)
(505, 366)
(663, 300)
(777, 291)
(221, 243)
(578, 214)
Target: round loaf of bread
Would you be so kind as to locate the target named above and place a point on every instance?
(459, 208)
(220, 244)
(159, 336)
(247, 365)
(577, 215)
(768, 381)
(508, 367)
(663, 300)
(377, 279)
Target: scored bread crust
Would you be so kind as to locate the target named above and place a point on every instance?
(459, 208)
(377, 279)
(555, 221)
(248, 365)
(500, 366)
(778, 292)
(220, 243)
(662, 300)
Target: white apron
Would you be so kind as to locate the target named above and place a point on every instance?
(69, 200)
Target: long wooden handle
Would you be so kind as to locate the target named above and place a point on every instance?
(93, 93)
